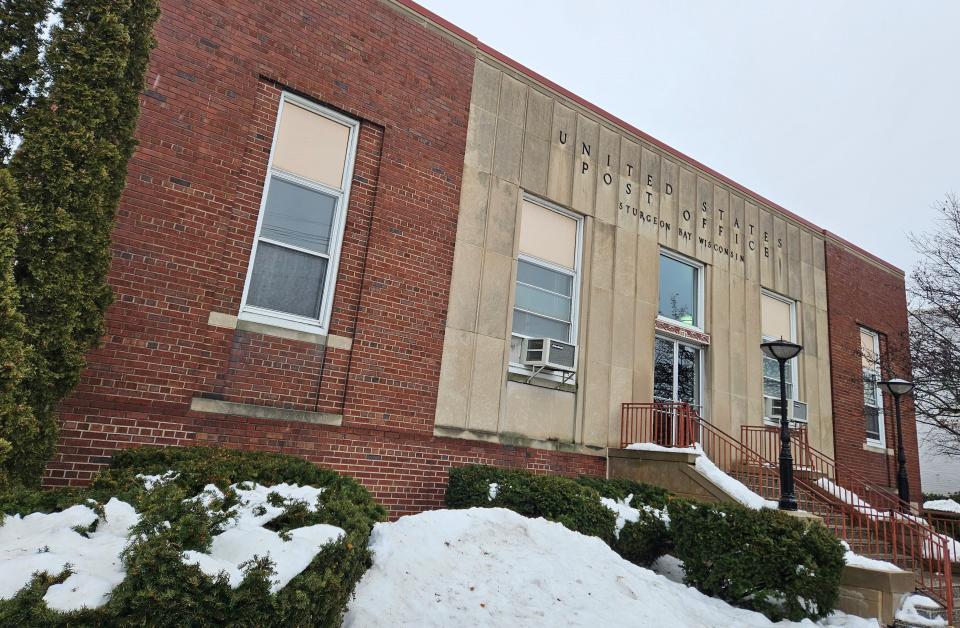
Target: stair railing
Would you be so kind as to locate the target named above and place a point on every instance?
(883, 532)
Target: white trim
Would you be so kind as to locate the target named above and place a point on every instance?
(576, 273)
(701, 279)
(882, 441)
(321, 324)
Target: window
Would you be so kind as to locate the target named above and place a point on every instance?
(293, 266)
(872, 399)
(777, 320)
(548, 275)
(680, 291)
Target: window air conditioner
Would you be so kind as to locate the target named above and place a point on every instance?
(546, 353)
(797, 410)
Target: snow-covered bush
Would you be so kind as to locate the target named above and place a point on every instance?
(763, 560)
(184, 501)
(552, 497)
(641, 538)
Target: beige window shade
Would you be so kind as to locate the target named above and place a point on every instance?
(775, 318)
(868, 350)
(311, 145)
(548, 235)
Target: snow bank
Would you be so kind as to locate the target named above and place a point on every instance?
(908, 611)
(244, 537)
(942, 505)
(48, 542)
(492, 567)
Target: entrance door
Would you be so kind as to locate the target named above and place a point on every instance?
(676, 378)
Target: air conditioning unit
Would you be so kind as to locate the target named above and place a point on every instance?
(797, 410)
(546, 353)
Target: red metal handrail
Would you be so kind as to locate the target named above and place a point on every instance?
(887, 534)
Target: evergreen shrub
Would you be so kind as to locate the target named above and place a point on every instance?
(160, 590)
(762, 560)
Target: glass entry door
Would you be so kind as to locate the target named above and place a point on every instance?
(676, 378)
(676, 372)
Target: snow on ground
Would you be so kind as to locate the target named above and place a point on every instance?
(245, 537)
(942, 505)
(492, 567)
(908, 611)
(737, 489)
(48, 542)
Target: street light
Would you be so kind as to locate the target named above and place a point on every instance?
(783, 351)
(899, 387)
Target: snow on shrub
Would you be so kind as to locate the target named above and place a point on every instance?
(626, 515)
(205, 547)
(764, 560)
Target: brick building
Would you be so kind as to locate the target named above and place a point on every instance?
(344, 219)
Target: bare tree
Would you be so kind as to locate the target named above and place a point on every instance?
(935, 328)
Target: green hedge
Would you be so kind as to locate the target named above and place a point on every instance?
(554, 498)
(573, 503)
(763, 560)
(160, 590)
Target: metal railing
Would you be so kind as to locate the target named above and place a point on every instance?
(874, 521)
(879, 530)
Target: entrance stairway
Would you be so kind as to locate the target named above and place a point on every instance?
(872, 521)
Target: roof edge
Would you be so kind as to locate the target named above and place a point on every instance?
(556, 87)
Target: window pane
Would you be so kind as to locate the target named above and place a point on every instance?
(872, 416)
(688, 374)
(775, 318)
(546, 303)
(311, 145)
(545, 278)
(663, 370)
(549, 235)
(298, 216)
(287, 281)
(678, 291)
(532, 325)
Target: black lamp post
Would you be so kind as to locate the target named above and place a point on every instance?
(899, 387)
(783, 351)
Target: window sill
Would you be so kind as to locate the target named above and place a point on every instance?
(244, 323)
(232, 408)
(877, 448)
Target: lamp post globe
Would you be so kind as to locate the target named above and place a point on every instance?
(783, 351)
(899, 387)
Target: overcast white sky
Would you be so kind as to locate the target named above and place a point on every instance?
(846, 113)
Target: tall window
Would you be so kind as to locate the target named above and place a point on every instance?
(680, 291)
(777, 320)
(294, 262)
(548, 275)
(872, 399)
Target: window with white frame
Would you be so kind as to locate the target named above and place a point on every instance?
(872, 397)
(681, 290)
(290, 280)
(778, 321)
(546, 299)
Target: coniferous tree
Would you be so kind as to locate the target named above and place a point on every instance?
(21, 27)
(69, 170)
(18, 426)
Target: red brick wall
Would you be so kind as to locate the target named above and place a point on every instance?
(187, 222)
(860, 294)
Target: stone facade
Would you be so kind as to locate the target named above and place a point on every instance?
(412, 375)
